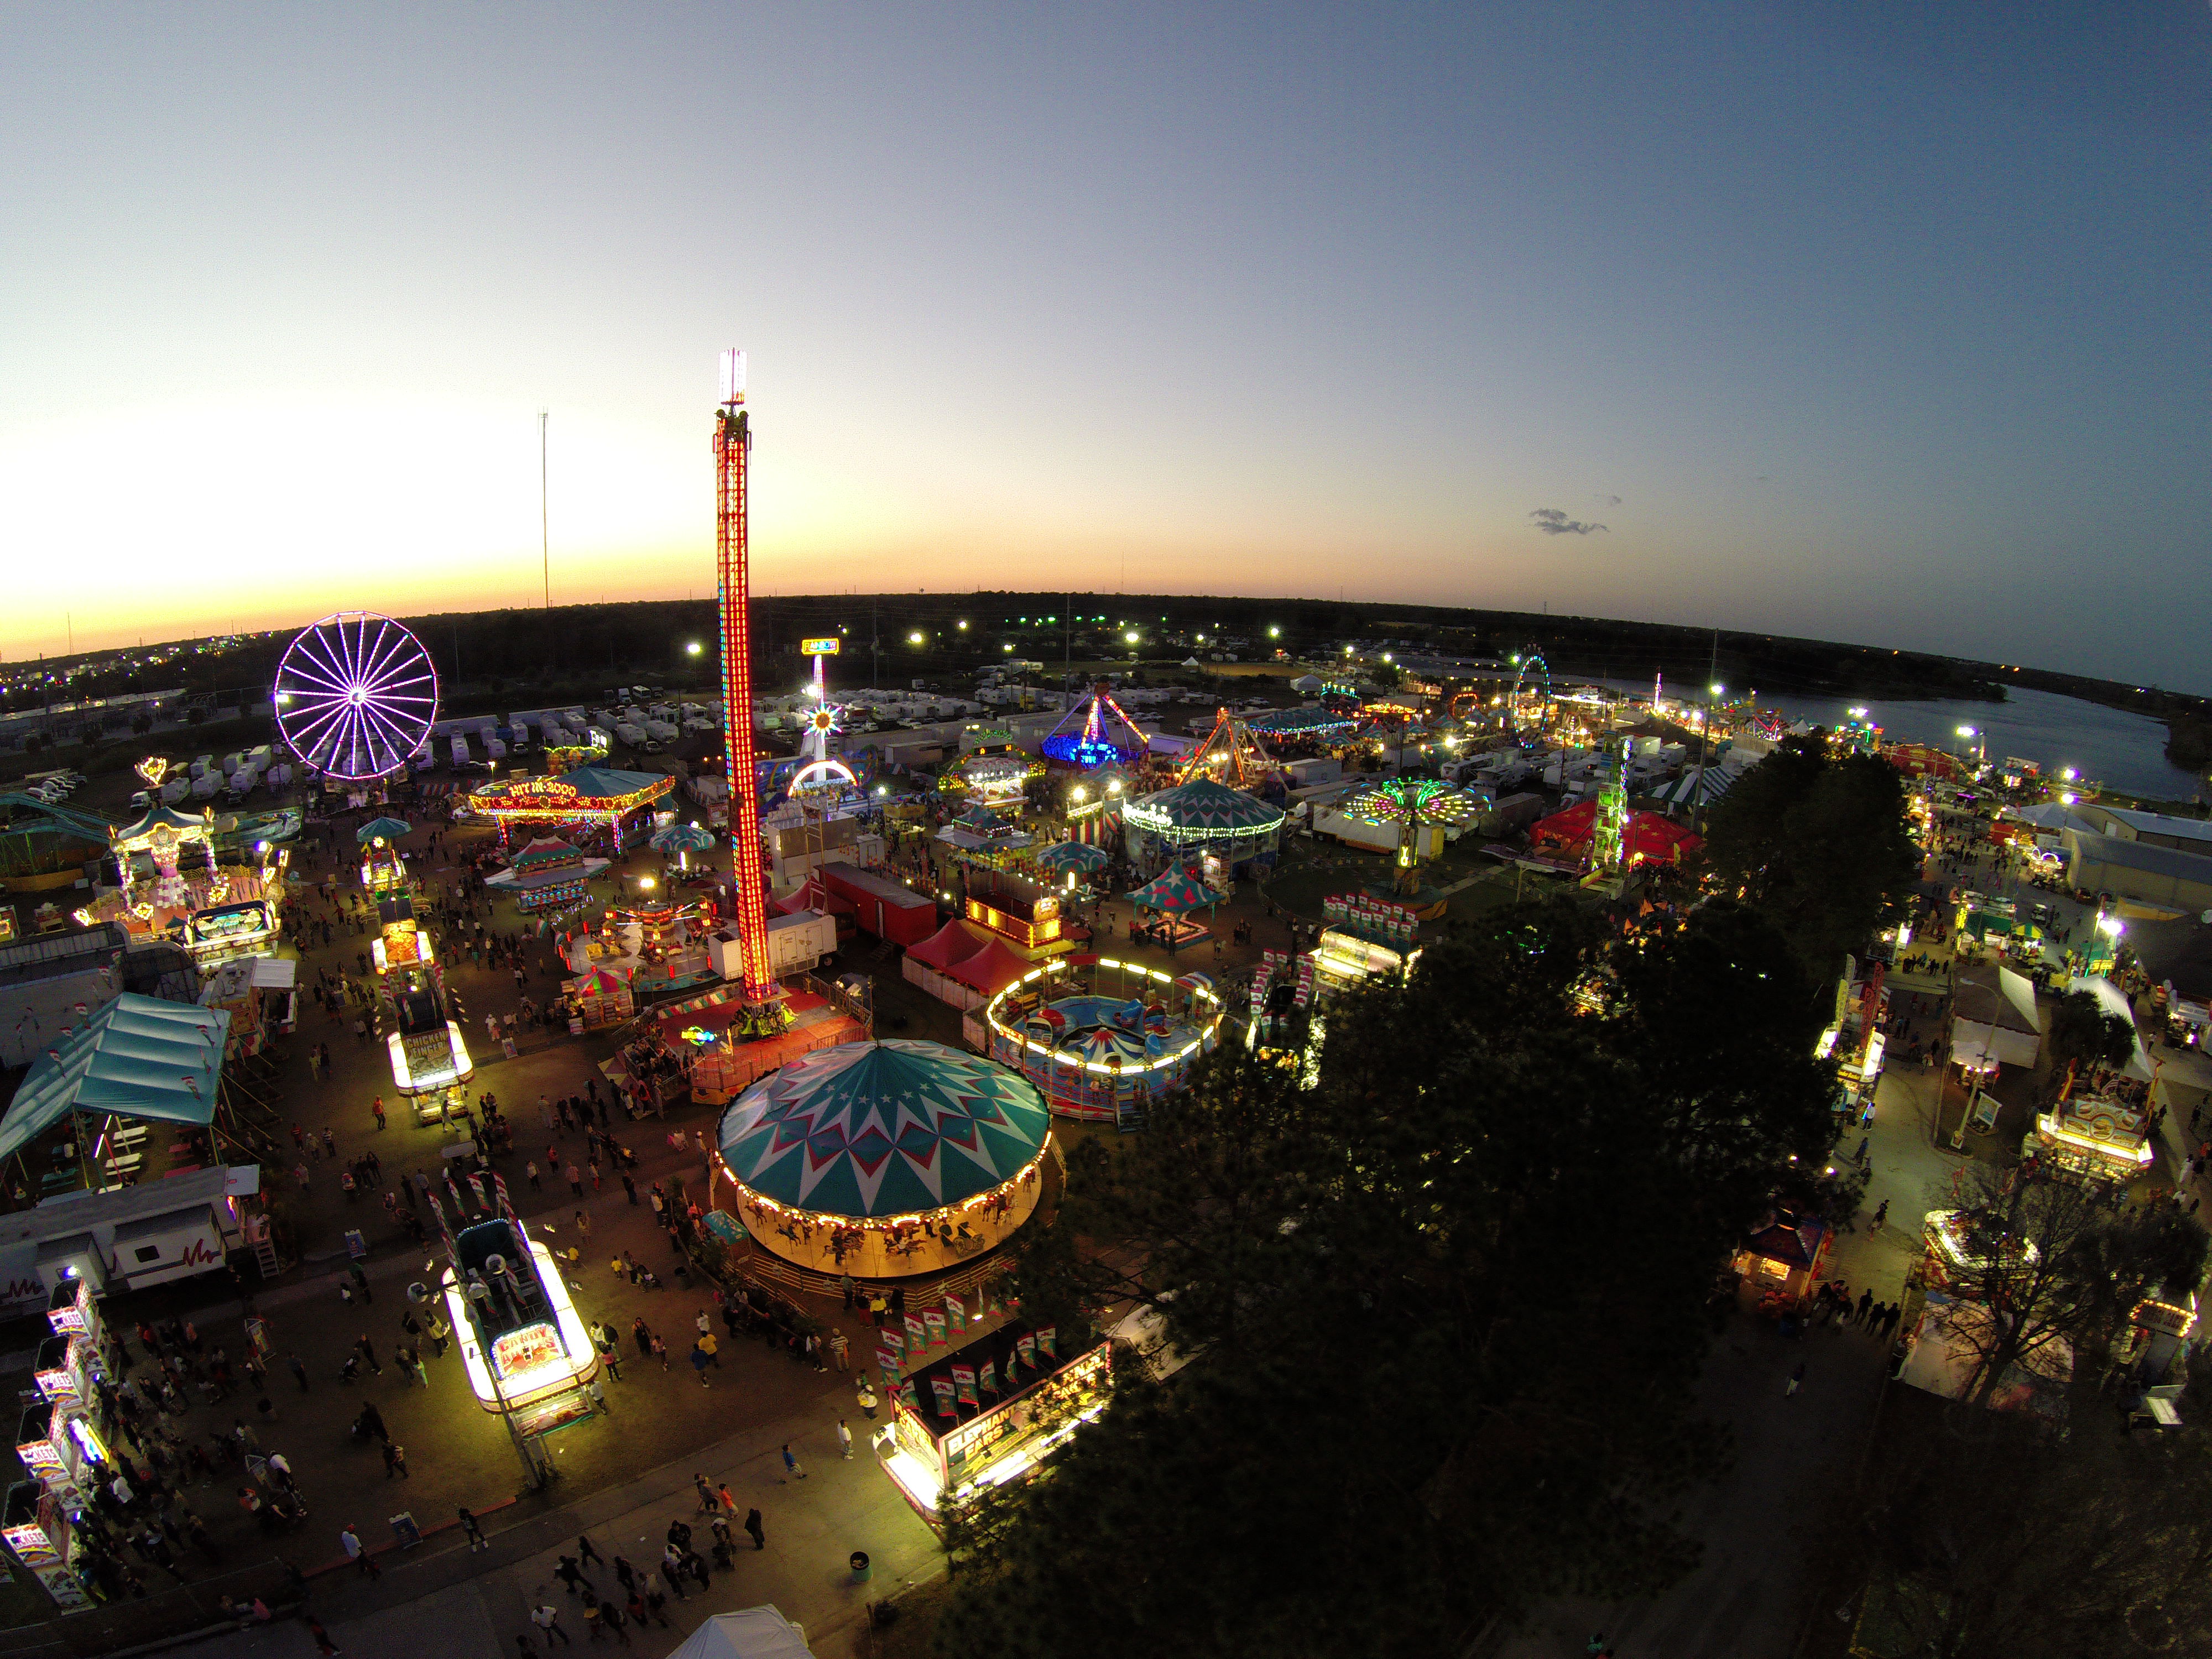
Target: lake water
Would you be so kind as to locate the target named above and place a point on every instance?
(2124, 750)
(2110, 746)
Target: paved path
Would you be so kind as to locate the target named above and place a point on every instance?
(440, 1599)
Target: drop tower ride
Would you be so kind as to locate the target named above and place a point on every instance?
(733, 442)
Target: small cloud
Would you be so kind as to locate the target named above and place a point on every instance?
(1606, 501)
(1553, 521)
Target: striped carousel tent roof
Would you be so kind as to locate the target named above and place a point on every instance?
(867, 1130)
(1207, 807)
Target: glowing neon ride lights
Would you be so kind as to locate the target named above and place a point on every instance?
(356, 695)
(1102, 735)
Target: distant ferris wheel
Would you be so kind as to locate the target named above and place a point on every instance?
(356, 695)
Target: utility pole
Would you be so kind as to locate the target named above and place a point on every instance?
(544, 523)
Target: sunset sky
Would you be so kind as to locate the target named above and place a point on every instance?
(1879, 323)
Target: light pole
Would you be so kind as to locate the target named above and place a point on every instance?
(1704, 744)
(1981, 747)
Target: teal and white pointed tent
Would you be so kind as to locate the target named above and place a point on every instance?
(136, 1057)
(867, 1131)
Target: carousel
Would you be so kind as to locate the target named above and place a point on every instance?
(881, 1159)
(1201, 818)
(1100, 1038)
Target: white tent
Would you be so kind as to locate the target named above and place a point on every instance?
(759, 1633)
(2114, 1002)
(1994, 1017)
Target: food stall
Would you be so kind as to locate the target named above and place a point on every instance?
(988, 1414)
(1024, 911)
(523, 1344)
(1782, 1259)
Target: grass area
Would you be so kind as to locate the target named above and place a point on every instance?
(911, 1630)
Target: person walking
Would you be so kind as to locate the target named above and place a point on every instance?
(1866, 1297)
(708, 1502)
(844, 1440)
(753, 1526)
(1796, 1379)
(530, 1171)
(791, 1469)
(395, 1461)
(1881, 1217)
(357, 1552)
(712, 1349)
(472, 1530)
(698, 1363)
(611, 1616)
(584, 1226)
(575, 1181)
(377, 1108)
(585, 1552)
(368, 1352)
(547, 1618)
(571, 1574)
(729, 1503)
(299, 1370)
(630, 1186)
(321, 1639)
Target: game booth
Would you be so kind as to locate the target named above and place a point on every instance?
(548, 873)
(1100, 1038)
(883, 1159)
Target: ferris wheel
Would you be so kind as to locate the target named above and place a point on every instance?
(356, 695)
(1530, 700)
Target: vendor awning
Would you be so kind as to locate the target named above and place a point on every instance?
(139, 1056)
(1994, 1017)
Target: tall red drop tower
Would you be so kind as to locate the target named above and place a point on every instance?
(733, 442)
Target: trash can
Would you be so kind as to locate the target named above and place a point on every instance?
(860, 1559)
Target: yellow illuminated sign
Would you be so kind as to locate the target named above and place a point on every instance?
(817, 647)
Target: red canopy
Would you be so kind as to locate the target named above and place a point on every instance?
(956, 941)
(815, 897)
(991, 969)
(1646, 835)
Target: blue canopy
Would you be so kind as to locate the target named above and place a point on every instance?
(139, 1056)
(390, 829)
(681, 838)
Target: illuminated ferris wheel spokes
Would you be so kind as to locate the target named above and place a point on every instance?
(356, 695)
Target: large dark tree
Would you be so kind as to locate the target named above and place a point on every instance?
(2012, 1541)
(2053, 1269)
(1447, 1305)
(1818, 843)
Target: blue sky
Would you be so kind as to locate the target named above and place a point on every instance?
(1884, 324)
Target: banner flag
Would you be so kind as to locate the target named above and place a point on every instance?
(956, 1311)
(917, 1334)
(892, 1338)
(887, 1362)
(1047, 1338)
(934, 1319)
(1025, 1352)
(963, 1379)
(942, 1387)
(987, 1376)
